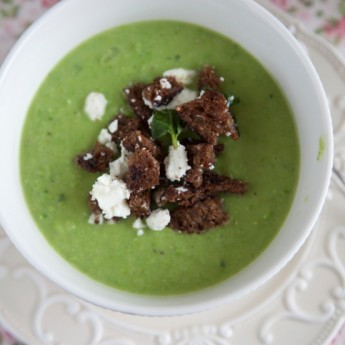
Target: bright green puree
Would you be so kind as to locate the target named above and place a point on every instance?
(159, 262)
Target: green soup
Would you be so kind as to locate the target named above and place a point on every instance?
(159, 262)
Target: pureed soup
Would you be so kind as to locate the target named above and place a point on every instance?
(159, 262)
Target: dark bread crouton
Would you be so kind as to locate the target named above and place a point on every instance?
(136, 140)
(194, 177)
(161, 91)
(182, 195)
(143, 171)
(214, 183)
(203, 215)
(209, 116)
(133, 95)
(125, 126)
(218, 149)
(201, 156)
(208, 79)
(139, 203)
(96, 160)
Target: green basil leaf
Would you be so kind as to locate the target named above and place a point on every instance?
(166, 121)
(161, 123)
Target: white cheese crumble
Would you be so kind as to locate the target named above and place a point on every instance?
(182, 75)
(138, 224)
(186, 95)
(119, 167)
(105, 139)
(149, 121)
(165, 84)
(112, 195)
(148, 103)
(181, 189)
(113, 126)
(140, 232)
(158, 219)
(88, 156)
(95, 105)
(176, 163)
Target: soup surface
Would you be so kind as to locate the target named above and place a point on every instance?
(159, 262)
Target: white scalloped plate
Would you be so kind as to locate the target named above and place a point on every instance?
(303, 304)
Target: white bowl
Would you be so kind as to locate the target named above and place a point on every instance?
(71, 22)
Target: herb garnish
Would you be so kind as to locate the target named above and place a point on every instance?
(166, 121)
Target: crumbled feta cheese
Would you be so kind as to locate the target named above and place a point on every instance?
(158, 219)
(148, 103)
(181, 189)
(182, 75)
(158, 98)
(176, 163)
(112, 195)
(88, 156)
(113, 126)
(149, 121)
(165, 84)
(119, 167)
(138, 224)
(95, 104)
(105, 139)
(186, 95)
(221, 79)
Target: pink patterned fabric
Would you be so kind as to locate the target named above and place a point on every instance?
(326, 17)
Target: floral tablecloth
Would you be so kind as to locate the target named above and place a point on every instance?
(325, 17)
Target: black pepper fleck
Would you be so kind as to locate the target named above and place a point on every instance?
(62, 197)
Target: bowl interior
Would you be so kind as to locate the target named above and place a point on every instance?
(70, 23)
